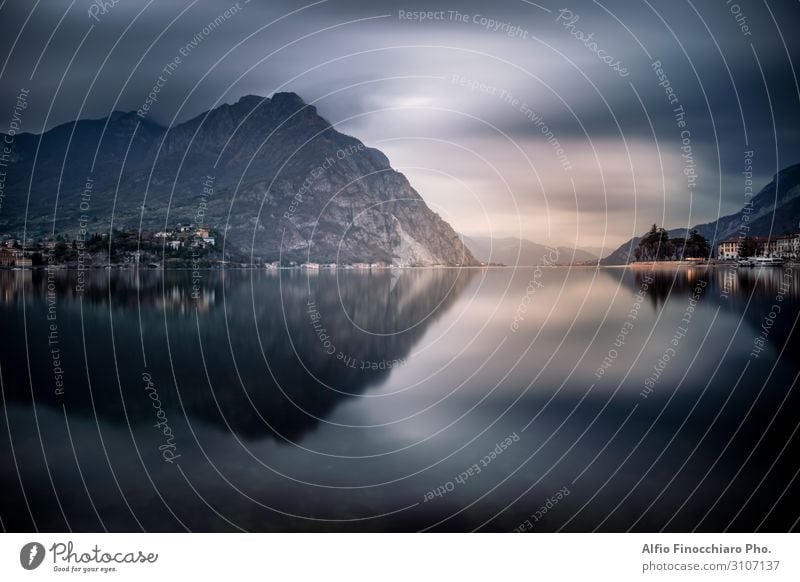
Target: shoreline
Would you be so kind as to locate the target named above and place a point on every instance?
(635, 266)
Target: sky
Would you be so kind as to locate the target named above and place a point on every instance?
(564, 123)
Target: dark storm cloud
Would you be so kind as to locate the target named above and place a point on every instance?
(383, 76)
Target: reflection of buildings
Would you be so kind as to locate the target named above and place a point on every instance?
(12, 285)
(739, 284)
(785, 246)
(171, 291)
(749, 293)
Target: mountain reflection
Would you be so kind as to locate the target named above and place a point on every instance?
(250, 352)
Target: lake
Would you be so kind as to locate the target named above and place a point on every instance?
(536, 399)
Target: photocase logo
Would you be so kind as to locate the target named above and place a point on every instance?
(31, 555)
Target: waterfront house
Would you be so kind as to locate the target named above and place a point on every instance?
(785, 246)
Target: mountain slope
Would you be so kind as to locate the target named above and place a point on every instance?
(774, 210)
(521, 252)
(270, 173)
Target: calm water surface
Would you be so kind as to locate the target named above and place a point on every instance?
(576, 399)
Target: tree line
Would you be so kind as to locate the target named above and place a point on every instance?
(656, 245)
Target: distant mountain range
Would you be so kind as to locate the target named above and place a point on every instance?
(269, 173)
(774, 210)
(514, 251)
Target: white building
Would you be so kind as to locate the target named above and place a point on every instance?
(728, 249)
(785, 246)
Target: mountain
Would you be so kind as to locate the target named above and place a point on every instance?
(269, 173)
(521, 252)
(775, 210)
(596, 252)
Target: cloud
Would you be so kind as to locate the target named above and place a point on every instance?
(461, 79)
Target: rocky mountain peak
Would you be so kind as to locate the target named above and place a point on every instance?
(286, 185)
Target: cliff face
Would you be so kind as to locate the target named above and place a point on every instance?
(775, 210)
(268, 172)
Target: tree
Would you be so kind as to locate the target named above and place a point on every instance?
(60, 251)
(696, 246)
(655, 245)
(748, 247)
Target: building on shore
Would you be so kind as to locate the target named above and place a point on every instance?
(7, 258)
(10, 257)
(785, 246)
